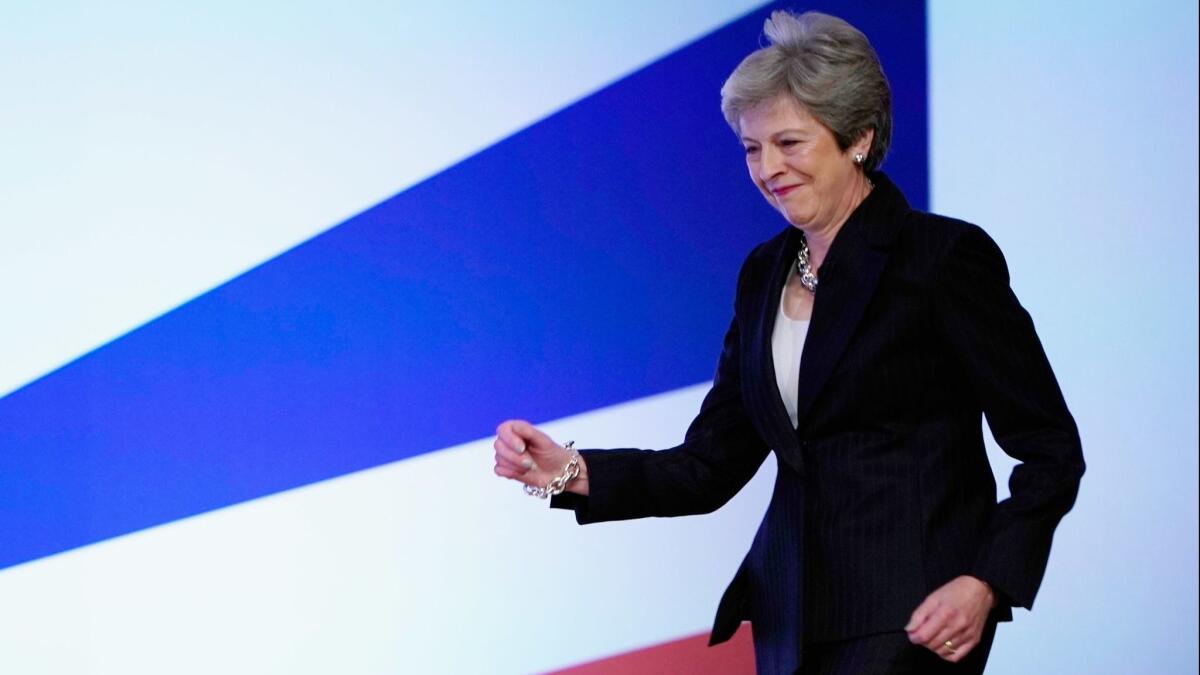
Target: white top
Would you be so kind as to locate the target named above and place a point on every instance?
(787, 344)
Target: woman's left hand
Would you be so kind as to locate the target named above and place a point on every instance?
(951, 620)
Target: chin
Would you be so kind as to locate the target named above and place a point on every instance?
(796, 219)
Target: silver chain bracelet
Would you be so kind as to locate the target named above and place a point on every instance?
(558, 484)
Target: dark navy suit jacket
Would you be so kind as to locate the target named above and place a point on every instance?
(884, 491)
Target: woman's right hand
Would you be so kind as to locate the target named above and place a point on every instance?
(525, 454)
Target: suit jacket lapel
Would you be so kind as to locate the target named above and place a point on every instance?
(848, 279)
(781, 425)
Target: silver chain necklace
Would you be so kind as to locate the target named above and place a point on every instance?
(808, 278)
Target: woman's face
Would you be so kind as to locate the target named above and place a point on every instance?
(797, 165)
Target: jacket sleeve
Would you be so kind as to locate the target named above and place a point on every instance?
(721, 452)
(992, 337)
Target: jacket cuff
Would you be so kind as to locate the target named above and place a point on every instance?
(571, 502)
(1006, 591)
(1004, 601)
(581, 505)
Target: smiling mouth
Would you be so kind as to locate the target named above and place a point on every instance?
(782, 191)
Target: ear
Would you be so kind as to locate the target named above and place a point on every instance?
(863, 143)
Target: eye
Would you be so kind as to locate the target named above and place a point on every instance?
(788, 142)
(751, 149)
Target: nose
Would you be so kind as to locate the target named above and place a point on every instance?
(770, 162)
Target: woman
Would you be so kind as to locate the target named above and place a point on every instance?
(868, 339)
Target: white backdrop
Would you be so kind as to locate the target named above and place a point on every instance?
(1068, 130)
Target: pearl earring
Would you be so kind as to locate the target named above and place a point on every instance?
(858, 158)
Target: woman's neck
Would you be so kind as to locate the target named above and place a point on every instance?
(821, 238)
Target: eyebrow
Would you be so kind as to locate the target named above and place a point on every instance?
(777, 134)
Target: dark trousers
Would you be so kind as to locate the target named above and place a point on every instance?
(890, 654)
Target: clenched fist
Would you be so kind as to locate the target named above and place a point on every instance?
(525, 454)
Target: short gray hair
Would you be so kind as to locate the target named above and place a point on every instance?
(827, 66)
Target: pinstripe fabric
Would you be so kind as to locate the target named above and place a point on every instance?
(891, 654)
(884, 491)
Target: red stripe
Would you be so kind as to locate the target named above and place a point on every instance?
(690, 655)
